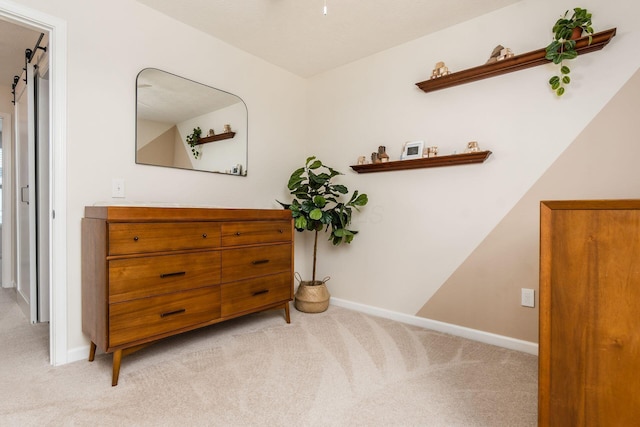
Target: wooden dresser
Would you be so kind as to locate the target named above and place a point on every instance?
(589, 355)
(152, 272)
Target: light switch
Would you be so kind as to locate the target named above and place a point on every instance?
(117, 187)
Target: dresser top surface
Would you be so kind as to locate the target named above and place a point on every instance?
(597, 204)
(156, 213)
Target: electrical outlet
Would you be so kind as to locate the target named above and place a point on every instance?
(528, 298)
(117, 188)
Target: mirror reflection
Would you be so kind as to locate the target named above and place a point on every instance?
(184, 124)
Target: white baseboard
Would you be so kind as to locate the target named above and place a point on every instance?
(82, 353)
(447, 328)
(78, 353)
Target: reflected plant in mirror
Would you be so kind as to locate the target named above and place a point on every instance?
(168, 110)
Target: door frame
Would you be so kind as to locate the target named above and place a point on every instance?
(57, 29)
(7, 201)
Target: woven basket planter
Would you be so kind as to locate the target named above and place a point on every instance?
(312, 297)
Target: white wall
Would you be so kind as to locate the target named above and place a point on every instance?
(421, 224)
(108, 44)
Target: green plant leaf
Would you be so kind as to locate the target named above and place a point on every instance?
(361, 200)
(566, 80)
(319, 201)
(301, 223)
(315, 214)
(315, 165)
(340, 189)
(560, 91)
(565, 70)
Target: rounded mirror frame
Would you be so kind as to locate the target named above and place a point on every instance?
(170, 108)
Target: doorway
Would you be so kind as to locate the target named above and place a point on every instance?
(54, 218)
(31, 171)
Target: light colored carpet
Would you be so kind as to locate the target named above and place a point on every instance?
(338, 368)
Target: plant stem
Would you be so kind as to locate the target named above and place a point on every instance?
(315, 250)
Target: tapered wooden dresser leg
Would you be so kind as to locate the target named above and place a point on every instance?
(286, 312)
(117, 358)
(92, 351)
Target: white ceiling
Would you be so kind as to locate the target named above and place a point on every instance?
(297, 36)
(166, 98)
(293, 34)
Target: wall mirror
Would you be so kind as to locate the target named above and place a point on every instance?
(170, 107)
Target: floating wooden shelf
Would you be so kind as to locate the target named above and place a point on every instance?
(431, 162)
(219, 137)
(515, 63)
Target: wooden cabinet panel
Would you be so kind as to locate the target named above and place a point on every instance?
(131, 278)
(255, 293)
(148, 272)
(238, 264)
(589, 305)
(249, 233)
(148, 317)
(135, 238)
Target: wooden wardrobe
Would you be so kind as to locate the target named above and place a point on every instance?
(589, 355)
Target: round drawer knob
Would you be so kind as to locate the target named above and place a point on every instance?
(281, 231)
(237, 233)
(204, 235)
(135, 238)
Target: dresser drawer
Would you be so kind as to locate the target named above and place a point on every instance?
(255, 232)
(245, 263)
(147, 317)
(140, 277)
(250, 294)
(135, 238)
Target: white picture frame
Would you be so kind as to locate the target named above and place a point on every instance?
(412, 150)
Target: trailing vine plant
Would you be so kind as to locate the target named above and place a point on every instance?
(193, 139)
(563, 46)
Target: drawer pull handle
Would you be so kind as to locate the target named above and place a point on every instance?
(264, 291)
(237, 233)
(177, 273)
(204, 235)
(260, 261)
(135, 238)
(281, 231)
(171, 313)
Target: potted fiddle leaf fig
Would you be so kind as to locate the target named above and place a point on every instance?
(563, 47)
(192, 140)
(318, 206)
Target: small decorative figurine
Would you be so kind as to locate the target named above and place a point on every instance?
(362, 160)
(211, 132)
(382, 154)
(375, 158)
(440, 70)
(499, 53)
(227, 128)
(432, 151)
(472, 147)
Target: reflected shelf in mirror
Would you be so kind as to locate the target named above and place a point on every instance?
(214, 138)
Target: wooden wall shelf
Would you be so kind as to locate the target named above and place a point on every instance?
(515, 63)
(218, 137)
(431, 162)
